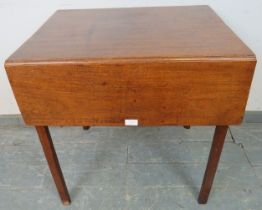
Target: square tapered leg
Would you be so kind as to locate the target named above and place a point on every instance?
(213, 160)
(51, 157)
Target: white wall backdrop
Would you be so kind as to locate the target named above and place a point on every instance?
(19, 19)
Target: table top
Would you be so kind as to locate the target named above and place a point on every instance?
(158, 65)
(95, 35)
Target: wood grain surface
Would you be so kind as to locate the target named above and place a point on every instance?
(165, 93)
(156, 32)
(53, 163)
(161, 66)
(212, 164)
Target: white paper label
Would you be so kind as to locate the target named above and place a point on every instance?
(131, 122)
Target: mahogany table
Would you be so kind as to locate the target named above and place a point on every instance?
(132, 66)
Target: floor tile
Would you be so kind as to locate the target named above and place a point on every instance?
(95, 174)
(258, 172)
(67, 153)
(23, 153)
(104, 198)
(234, 176)
(21, 175)
(172, 133)
(20, 135)
(40, 199)
(76, 134)
(174, 198)
(182, 152)
(245, 136)
(84, 153)
(254, 154)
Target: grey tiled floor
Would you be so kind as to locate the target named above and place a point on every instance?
(131, 168)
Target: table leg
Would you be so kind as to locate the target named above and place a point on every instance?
(213, 160)
(50, 154)
(86, 127)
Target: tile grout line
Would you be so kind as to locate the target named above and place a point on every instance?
(240, 144)
(248, 160)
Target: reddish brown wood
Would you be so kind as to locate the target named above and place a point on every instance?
(213, 160)
(50, 154)
(161, 66)
(155, 93)
(98, 35)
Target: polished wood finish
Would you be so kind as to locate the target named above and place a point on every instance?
(99, 35)
(158, 65)
(213, 160)
(50, 154)
(168, 93)
(162, 66)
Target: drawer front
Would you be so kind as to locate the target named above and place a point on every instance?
(159, 93)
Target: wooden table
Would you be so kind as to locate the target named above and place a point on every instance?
(133, 66)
